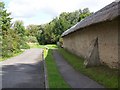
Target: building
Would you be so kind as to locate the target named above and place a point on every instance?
(96, 37)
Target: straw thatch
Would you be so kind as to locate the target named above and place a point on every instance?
(107, 13)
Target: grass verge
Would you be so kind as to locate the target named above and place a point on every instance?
(102, 74)
(16, 54)
(55, 79)
(36, 45)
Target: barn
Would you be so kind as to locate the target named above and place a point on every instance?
(96, 37)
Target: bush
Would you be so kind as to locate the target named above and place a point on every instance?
(24, 46)
(9, 53)
(31, 39)
(61, 42)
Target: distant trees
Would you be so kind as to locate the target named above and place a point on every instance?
(14, 35)
(31, 33)
(32, 30)
(51, 32)
(18, 26)
(20, 31)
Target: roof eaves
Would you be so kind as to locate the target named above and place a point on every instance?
(107, 13)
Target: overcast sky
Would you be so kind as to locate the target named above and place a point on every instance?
(43, 11)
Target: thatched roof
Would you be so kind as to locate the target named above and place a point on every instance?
(107, 13)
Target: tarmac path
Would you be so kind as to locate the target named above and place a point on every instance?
(72, 77)
(23, 71)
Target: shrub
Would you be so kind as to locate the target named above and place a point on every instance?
(24, 46)
(31, 39)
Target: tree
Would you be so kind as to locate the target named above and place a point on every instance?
(12, 37)
(19, 30)
(51, 32)
(5, 24)
(19, 27)
(32, 30)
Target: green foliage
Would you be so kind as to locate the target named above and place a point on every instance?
(5, 24)
(12, 37)
(24, 45)
(31, 39)
(19, 28)
(32, 30)
(50, 33)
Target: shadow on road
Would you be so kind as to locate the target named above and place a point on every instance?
(21, 75)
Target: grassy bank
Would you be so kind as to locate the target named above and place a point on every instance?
(32, 45)
(103, 75)
(55, 79)
(36, 45)
(16, 54)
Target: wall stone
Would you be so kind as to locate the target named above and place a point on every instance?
(79, 42)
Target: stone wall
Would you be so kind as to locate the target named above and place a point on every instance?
(79, 41)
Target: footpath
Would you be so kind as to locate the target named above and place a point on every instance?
(72, 77)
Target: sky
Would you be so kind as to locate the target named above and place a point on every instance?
(43, 11)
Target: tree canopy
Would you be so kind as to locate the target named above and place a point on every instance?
(15, 36)
(12, 37)
(51, 32)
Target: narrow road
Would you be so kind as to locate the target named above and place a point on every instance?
(24, 71)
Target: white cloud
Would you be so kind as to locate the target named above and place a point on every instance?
(25, 9)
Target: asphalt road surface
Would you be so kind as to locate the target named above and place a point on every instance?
(23, 71)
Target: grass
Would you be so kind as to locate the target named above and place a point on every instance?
(55, 79)
(36, 45)
(32, 45)
(16, 54)
(102, 74)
